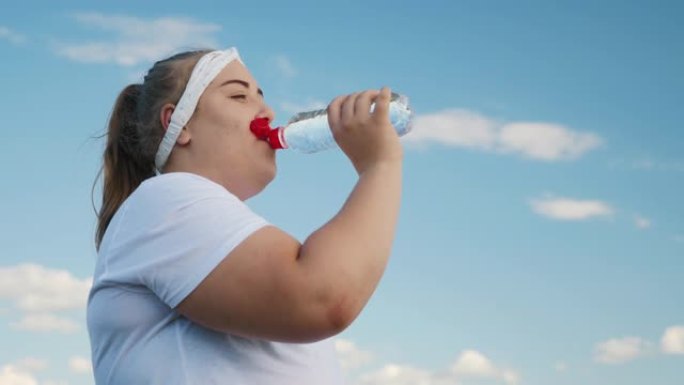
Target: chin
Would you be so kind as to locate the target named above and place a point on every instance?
(268, 178)
(269, 173)
(263, 181)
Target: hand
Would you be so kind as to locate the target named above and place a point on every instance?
(366, 138)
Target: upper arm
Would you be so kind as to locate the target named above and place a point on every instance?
(260, 290)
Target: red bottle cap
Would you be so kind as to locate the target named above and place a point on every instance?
(260, 127)
(275, 139)
(274, 136)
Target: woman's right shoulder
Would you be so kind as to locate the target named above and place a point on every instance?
(163, 195)
(176, 187)
(160, 198)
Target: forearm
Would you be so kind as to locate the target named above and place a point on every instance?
(347, 256)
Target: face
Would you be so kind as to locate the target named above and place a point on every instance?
(221, 145)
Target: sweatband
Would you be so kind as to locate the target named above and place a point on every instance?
(206, 69)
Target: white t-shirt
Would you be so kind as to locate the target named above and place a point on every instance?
(162, 242)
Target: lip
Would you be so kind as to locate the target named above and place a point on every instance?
(260, 127)
(266, 144)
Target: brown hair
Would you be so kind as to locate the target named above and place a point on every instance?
(135, 131)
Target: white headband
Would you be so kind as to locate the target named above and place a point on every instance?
(204, 72)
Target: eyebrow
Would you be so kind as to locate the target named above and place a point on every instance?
(243, 83)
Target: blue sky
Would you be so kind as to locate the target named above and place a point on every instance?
(541, 238)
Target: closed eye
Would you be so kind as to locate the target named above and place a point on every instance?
(239, 97)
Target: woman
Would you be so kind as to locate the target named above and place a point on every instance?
(191, 286)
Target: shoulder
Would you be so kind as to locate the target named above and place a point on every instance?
(173, 191)
(180, 195)
(179, 185)
(170, 199)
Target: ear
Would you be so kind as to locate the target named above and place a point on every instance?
(183, 137)
(165, 118)
(165, 115)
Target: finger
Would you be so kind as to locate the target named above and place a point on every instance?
(348, 108)
(382, 102)
(334, 109)
(363, 102)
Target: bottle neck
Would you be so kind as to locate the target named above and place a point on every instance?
(276, 138)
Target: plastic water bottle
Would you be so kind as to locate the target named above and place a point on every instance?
(308, 132)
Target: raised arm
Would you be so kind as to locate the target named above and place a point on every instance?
(272, 287)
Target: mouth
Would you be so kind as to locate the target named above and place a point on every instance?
(260, 127)
(262, 130)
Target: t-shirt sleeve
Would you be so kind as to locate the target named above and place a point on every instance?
(201, 236)
(175, 242)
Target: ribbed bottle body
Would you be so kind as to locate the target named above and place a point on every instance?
(309, 132)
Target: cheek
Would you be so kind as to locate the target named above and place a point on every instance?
(234, 140)
(222, 126)
(228, 126)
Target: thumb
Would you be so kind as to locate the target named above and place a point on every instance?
(382, 101)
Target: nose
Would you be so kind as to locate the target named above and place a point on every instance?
(266, 112)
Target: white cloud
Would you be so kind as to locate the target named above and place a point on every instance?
(38, 293)
(568, 209)
(45, 323)
(644, 164)
(22, 372)
(135, 40)
(560, 366)
(457, 128)
(641, 222)
(620, 350)
(80, 365)
(34, 288)
(350, 356)
(473, 364)
(11, 36)
(660, 165)
(31, 364)
(672, 341)
(545, 141)
(534, 140)
(392, 374)
(510, 377)
(284, 65)
(470, 365)
(12, 375)
(648, 163)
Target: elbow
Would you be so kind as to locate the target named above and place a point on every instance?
(340, 314)
(316, 318)
(330, 319)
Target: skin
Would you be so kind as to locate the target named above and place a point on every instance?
(216, 144)
(271, 286)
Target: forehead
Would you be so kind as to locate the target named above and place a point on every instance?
(234, 70)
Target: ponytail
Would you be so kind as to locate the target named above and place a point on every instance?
(135, 132)
(123, 168)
